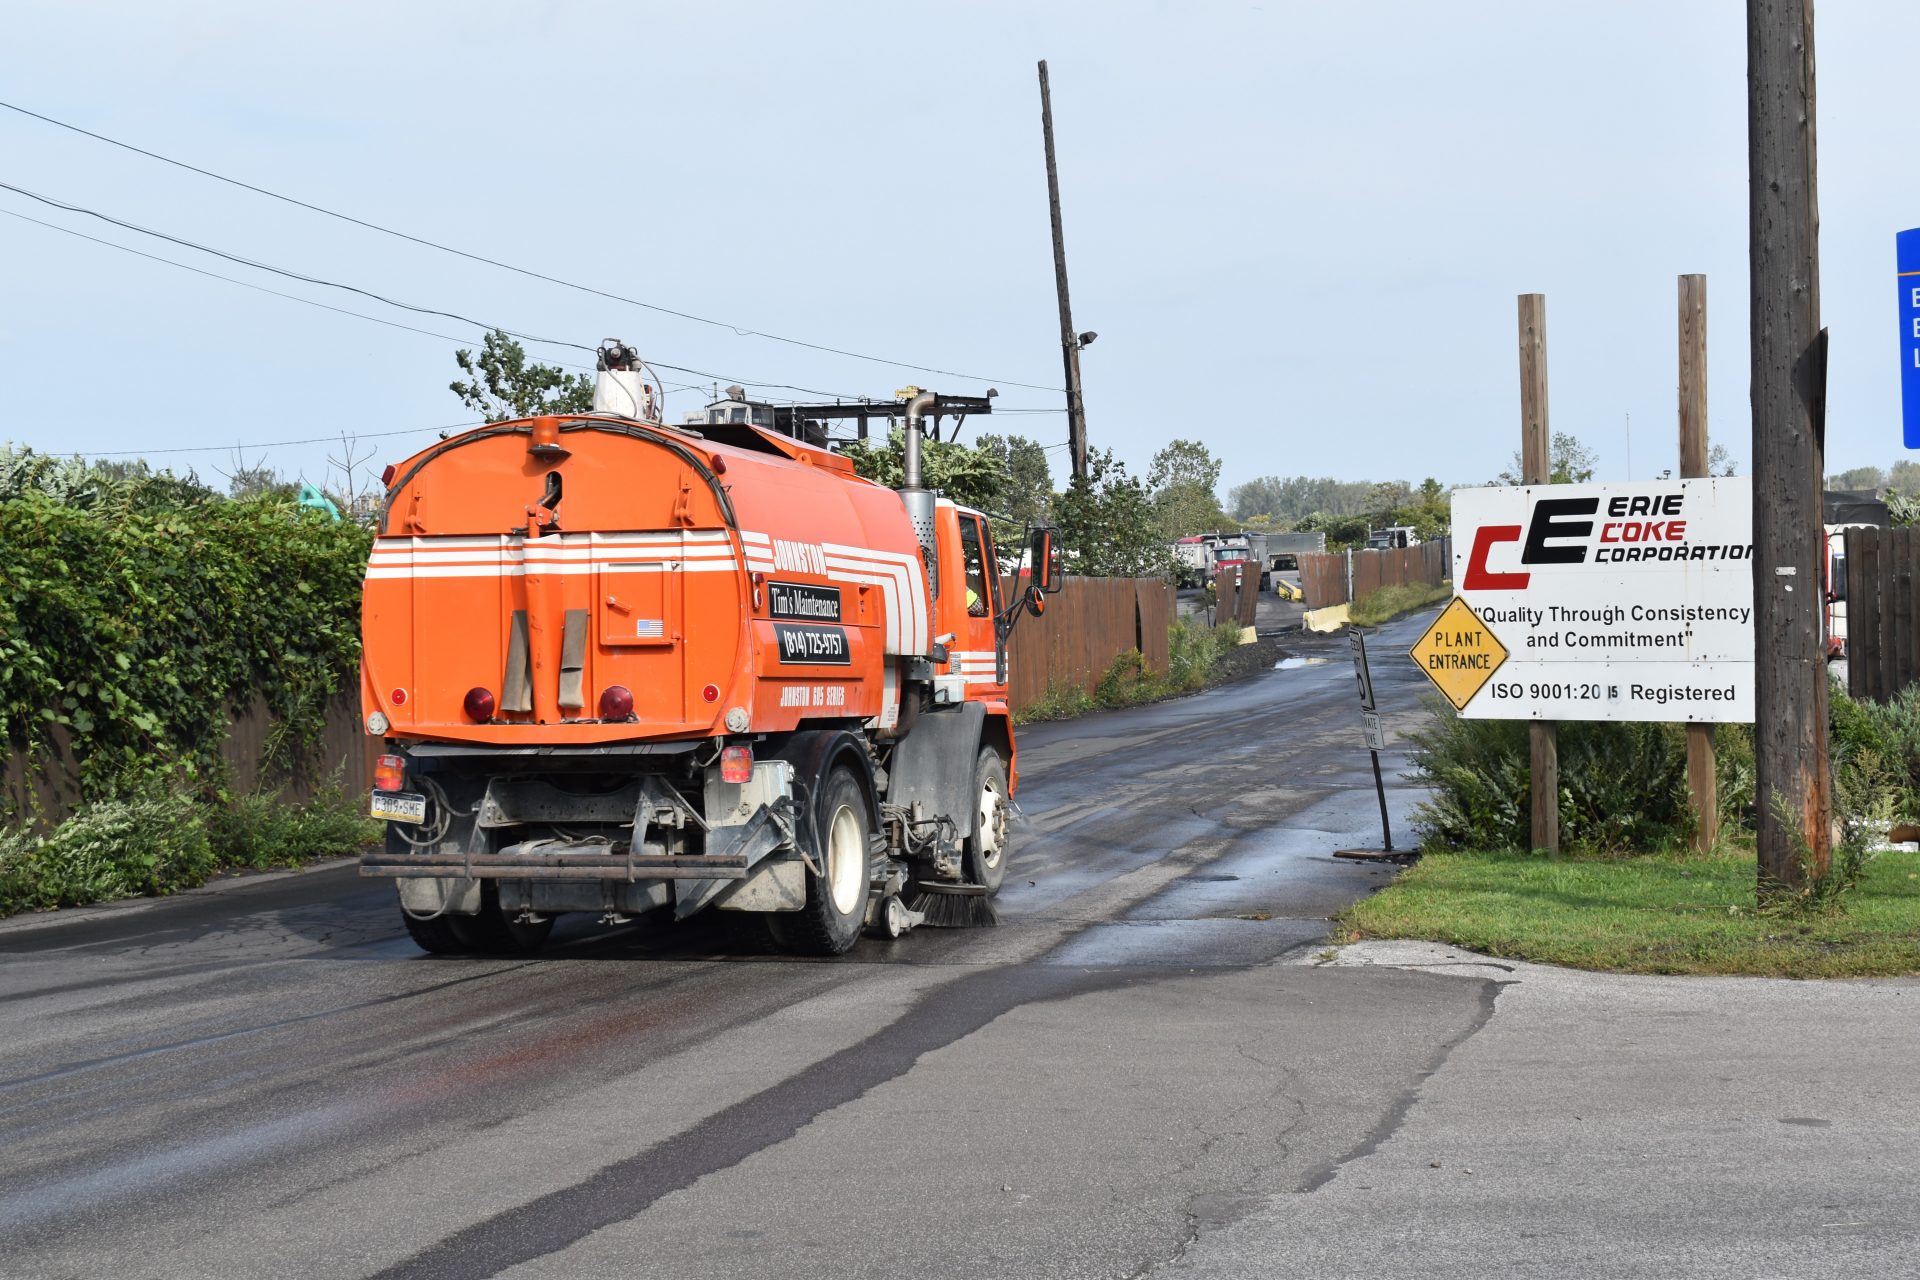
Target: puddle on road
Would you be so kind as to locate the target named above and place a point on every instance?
(1288, 664)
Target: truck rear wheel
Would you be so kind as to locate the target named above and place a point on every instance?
(494, 933)
(836, 906)
(490, 933)
(987, 849)
(434, 934)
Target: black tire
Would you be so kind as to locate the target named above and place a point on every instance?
(492, 933)
(830, 922)
(987, 851)
(435, 936)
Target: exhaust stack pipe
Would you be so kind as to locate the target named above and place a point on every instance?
(914, 494)
(916, 415)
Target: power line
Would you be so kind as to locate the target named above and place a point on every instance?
(739, 331)
(361, 315)
(245, 284)
(283, 271)
(271, 444)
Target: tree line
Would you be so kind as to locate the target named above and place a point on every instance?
(1117, 523)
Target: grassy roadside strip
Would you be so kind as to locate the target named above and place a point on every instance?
(1670, 913)
(1195, 654)
(162, 844)
(1389, 603)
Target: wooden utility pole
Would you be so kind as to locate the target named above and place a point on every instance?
(1069, 340)
(1703, 784)
(1789, 427)
(1536, 467)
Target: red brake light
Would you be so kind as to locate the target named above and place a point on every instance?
(479, 704)
(389, 774)
(386, 477)
(616, 703)
(711, 693)
(736, 765)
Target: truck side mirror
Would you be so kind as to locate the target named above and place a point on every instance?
(1043, 561)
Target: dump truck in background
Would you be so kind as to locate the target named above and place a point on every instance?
(1192, 561)
(620, 666)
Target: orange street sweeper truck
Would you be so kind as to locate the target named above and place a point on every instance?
(620, 666)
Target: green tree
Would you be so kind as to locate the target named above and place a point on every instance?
(505, 385)
(1290, 499)
(1429, 511)
(1860, 479)
(1183, 478)
(1342, 531)
(1905, 476)
(1569, 462)
(971, 474)
(1108, 523)
(1028, 497)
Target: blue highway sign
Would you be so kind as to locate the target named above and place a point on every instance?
(1907, 254)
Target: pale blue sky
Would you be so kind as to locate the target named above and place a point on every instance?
(1298, 228)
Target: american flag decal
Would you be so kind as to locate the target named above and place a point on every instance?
(650, 628)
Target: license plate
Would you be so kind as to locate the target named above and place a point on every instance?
(399, 806)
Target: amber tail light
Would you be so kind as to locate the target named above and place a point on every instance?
(390, 774)
(736, 765)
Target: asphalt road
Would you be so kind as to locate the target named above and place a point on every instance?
(271, 1080)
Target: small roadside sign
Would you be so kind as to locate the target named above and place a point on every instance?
(1907, 266)
(1370, 723)
(1459, 653)
(1357, 643)
(1376, 736)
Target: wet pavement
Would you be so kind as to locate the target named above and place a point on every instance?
(272, 1080)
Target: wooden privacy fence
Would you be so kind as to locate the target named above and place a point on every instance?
(1236, 593)
(1324, 577)
(1882, 622)
(47, 789)
(1089, 623)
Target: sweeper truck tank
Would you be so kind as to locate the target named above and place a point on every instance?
(621, 666)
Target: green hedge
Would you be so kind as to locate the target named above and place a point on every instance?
(162, 844)
(140, 613)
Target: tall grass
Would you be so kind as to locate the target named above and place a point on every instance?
(161, 844)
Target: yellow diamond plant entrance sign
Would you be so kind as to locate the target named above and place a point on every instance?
(1458, 653)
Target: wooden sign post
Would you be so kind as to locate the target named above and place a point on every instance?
(1536, 467)
(1703, 787)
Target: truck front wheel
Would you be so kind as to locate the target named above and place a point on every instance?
(836, 906)
(987, 848)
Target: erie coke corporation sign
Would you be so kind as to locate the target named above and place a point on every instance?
(1611, 601)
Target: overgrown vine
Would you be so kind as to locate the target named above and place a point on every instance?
(139, 613)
